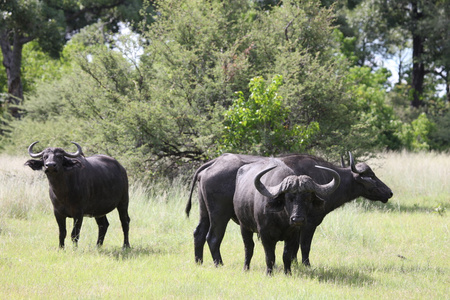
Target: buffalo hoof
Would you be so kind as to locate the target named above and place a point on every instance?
(306, 263)
(199, 261)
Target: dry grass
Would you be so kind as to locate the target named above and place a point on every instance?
(419, 180)
(23, 191)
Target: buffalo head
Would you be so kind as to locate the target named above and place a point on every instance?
(53, 160)
(372, 187)
(296, 194)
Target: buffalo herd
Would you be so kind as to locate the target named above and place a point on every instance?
(217, 187)
(280, 198)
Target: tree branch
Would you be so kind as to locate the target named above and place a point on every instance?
(92, 9)
(286, 29)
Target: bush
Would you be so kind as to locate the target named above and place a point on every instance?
(415, 136)
(440, 136)
(261, 125)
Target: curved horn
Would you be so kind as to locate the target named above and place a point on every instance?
(342, 161)
(328, 188)
(268, 191)
(352, 163)
(76, 154)
(34, 155)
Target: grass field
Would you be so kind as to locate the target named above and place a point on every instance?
(398, 250)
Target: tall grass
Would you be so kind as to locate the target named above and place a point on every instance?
(364, 250)
(420, 180)
(23, 192)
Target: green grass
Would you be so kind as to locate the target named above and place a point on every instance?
(362, 251)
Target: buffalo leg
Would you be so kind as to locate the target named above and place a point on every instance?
(125, 221)
(201, 232)
(61, 220)
(289, 247)
(215, 236)
(269, 249)
(103, 224)
(295, 248)
(247, 237)
(77, 222)
(305, 242)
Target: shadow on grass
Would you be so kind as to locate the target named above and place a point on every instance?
(131, 253)
(414, 268)
(391, 206)
(338, 275)
(415, 208)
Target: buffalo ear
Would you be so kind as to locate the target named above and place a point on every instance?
(317, 202)
(35, 164)
(363, 180)
(69, 164)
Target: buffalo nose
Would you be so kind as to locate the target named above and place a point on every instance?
(50, 165)
(297, 220)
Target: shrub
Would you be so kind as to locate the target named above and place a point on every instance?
(261, 125)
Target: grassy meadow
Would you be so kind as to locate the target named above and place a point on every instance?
(364, 250)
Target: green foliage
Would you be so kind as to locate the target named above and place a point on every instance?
(375, 113)
(415, 32)
(38, 66)
(297, 41)
(34, 20)
(159, 111)
(347, 46)
(260, 123)
(440, 137)
(415, 136)
(49, 21)
(159, 102)
(387, 128)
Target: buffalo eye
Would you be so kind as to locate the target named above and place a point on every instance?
(368, 178)
(284, 197)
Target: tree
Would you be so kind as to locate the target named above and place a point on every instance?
(260, 124)
(437, 30)
(51, 23)
(422, 22)
(167, 109)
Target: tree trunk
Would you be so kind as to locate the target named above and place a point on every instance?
(418, 71)
(447, 89)
(12, 61)
(400, 68)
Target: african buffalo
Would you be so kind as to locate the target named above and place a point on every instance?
(216, 187)
(275, 206)
(92, 186)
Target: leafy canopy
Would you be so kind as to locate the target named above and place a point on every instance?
(260, 124)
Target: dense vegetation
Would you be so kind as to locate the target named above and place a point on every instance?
(206, 77)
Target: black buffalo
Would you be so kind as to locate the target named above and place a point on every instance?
(274, 202)
(216, 187)
(79, 186)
